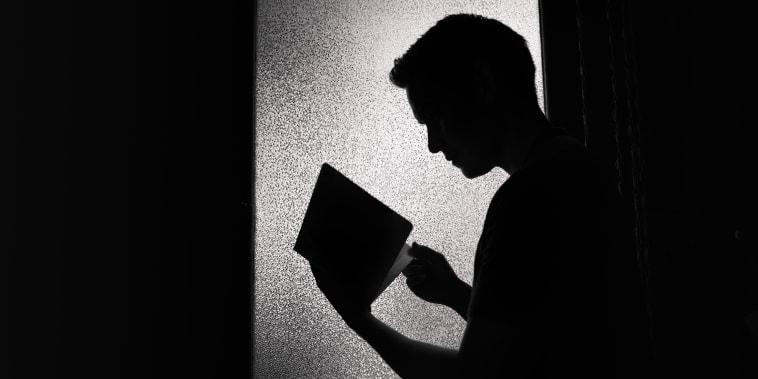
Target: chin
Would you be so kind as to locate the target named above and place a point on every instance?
(473, 173)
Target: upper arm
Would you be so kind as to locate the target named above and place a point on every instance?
(513, 289)
(538, 257)
(494, 349)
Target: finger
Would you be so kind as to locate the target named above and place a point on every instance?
(407, 269)
(413, 270)
(412, 250)
(418, 251)
(423, 253)
(415, 263)
(415, 280)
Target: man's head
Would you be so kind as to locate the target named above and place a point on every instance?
(469, 79)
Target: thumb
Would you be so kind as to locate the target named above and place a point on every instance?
(422, 253)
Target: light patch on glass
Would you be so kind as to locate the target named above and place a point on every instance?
(323, 95)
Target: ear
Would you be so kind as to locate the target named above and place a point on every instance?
(486, 82)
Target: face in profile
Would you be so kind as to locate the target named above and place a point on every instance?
(466, 139)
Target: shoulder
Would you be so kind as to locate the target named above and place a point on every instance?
(558, 169)
(561, 157)
(565, 170)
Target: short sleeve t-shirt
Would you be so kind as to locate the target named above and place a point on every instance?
(556, 255)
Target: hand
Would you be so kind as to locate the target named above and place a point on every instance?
(430, 276)
(338, 290)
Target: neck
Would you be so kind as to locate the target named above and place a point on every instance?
(518, 142)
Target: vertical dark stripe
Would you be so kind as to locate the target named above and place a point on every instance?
(582, 75)
(638, 190)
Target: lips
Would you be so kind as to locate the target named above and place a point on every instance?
(452, 159)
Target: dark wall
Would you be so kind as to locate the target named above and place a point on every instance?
(667, 91)
(131, 175)
(128, 150)
(697, 93)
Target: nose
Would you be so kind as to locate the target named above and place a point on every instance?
(434, 140)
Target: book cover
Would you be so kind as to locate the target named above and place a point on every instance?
(354, 234)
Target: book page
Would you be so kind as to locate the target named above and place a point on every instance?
(402, 260)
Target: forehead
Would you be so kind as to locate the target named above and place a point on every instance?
(420, 102)
(414, 106)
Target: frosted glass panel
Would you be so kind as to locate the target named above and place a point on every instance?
(323, 95)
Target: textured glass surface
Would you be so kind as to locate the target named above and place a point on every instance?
(323, 95)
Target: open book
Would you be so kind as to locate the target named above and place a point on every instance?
(350, 232)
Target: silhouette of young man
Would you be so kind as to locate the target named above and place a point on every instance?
(555, 281)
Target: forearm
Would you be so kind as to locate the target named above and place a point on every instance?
(408, 358)
(460, 298)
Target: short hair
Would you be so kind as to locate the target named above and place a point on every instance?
(460, 42)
